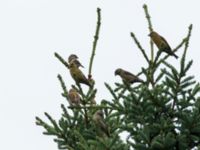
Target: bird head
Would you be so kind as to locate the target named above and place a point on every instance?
(72, 57)
(99, 113)
(118, 71)
(153, 34)
(72, 90)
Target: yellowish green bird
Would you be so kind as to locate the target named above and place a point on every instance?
(127, 77)
(74, 98)
(78, 75)
(74, 58)
(100, 124)
(161, 43)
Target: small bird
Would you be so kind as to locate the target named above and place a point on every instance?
(161, 43)
(74, 58)
(78, 75)
(127, 77)
(100, 123)
(74, 97)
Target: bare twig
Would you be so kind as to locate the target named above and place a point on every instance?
(95, 42)
(139, 46)
(150, 29)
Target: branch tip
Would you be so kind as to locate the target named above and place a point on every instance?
(96, 37)
(145, 6)
(190, 27)
(98, 9)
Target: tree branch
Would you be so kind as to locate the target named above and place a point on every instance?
(96, 37)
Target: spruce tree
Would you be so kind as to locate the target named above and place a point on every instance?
(163, 113)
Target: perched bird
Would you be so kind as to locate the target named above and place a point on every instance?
(162, 44)
(100, 123)
(74, 58)
(127, 77)
(78, 75)
(74, 97)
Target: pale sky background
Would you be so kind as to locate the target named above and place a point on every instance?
(32, 30)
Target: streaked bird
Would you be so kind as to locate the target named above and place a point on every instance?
(78, 75)
(127, 77)
(162, 44)
(74, 97)
(100, 124)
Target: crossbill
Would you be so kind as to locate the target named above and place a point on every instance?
(74, 58)
(127, 77)
(78, 75)
(100, 123)
(162, 44)
(74, 97)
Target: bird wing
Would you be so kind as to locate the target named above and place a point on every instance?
(78, 74)
(77, 98)
(71, 95)
(78, 63)
(130, 77)
(128, 73)
(83, 77)
(165, 42)
(103, 126)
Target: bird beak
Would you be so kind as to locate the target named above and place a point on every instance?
(82, 66)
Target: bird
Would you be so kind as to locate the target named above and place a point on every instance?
(74, 58)
(161, 43)
(100, 123)
(78, 75)
(73, 97)
(127, 77)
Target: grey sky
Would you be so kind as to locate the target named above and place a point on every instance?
(32, 30)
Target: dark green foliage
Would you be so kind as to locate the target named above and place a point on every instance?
(161, 114)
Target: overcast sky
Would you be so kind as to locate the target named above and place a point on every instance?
(32, 30)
